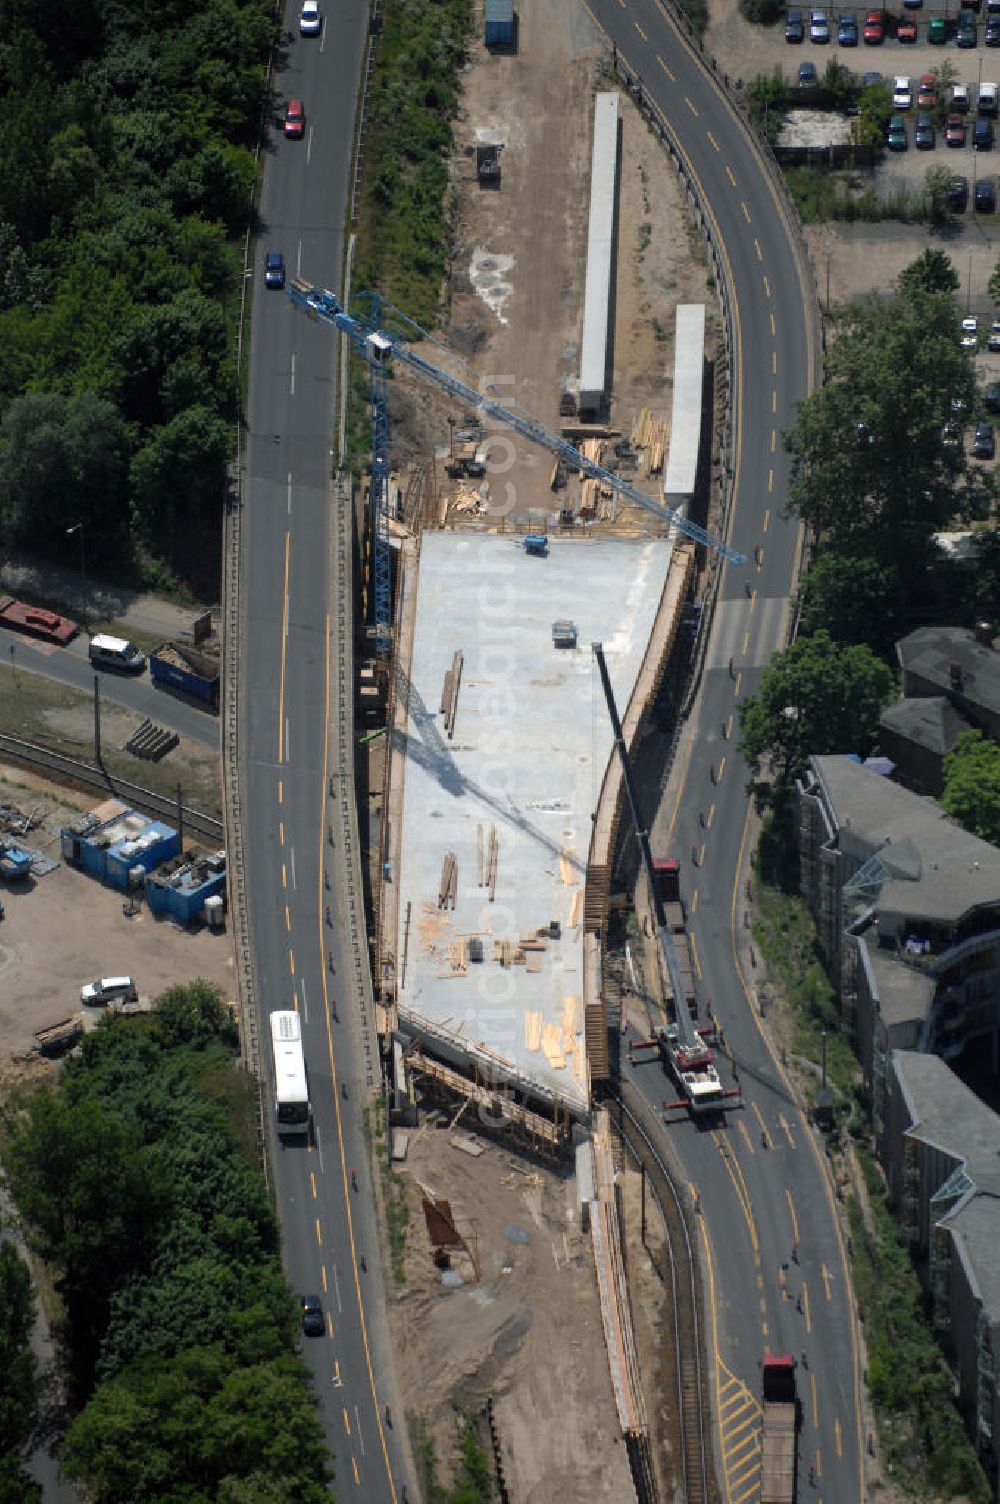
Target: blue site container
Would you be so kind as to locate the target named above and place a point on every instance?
(500, 30)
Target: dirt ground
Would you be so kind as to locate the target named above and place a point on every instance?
(528, 1332)
(66, 928)
(520, 258)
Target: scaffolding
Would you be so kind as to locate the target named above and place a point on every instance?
(498, 1105)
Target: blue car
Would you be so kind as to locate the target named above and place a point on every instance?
(274, 269)
(847, 32)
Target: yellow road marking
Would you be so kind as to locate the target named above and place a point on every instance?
(722, 769)
(827, 1283)
(672, 80)
(288, 918)
(312, 1182)
(730, 174)
(291, 962)
(284, 639)
(739, 681)
(805, 1306)
(770, 488)
(746, 1139)
(746, 211)
(819, 1463)
(319, 1233)
(281, 831)
(729, 725)
(812, 1385)
(347, 1421)
(746, 641)
(640, 31)
(284, 876)
(735, 1174)
(322, 1275)
(281, 792)
(354, 1460)
(694, 901)
(786, 1129)
(337, 1380)
(774, 362)
(710, 818)
(791, 1213)
(774, 327)
(763, 1126)
(701, 855)
(712, 141)
(694, 954)
(767, 290)
(837, 1437)
(691, 106)
(329, 1325)
(760, 253)
(774, 402)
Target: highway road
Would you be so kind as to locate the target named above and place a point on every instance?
(287, 499)
(774, 1258)
(71, 666)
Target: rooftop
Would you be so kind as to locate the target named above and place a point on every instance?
(931, 722)
(937, 870)
(523, 767)
(905, 995)
(931, 653)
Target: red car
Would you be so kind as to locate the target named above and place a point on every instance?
(874, 29)
(295, 120)
(954, 131)
(906, 31)
(927, 92)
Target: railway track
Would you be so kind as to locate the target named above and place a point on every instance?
(691, 1400)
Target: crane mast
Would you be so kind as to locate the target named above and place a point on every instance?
(378, 347)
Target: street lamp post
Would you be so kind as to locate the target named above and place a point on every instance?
(78, 529)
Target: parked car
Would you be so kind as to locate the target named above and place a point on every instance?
(991, 36)
(295, 120)
(986, 196)
(896, 135)
(982, 135)
(108, 990)
(869, 80)
(958, 193)
(987, 101)
(991, 397)
(960, 99)
(312, 1316)
(808, 78)
(847, 32)
(966, 33)
(984, 445)
(969, 338)
(906, 31)
(951, 434)
(924, 136)
(819, 26)
(794, 29)
(913, 4)
(902, 94)
(937, 31)
(954, 131)
(993, 338)
(310, 20)
(274, 269)
(874, 28)
(927, 92)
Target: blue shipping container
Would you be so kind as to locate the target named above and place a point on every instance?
(500, 23)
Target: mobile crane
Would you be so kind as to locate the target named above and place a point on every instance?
(378, 347)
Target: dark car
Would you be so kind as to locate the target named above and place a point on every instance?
(966, 34)
(991, 36)
(847, 31)
(982, 135)
(937, 30)
(986, 196)
(895, 137)
(958, 192)
(295, 120)
(991, 397)
(984, 445)
(274, 269)
(808, 78)
(906, 31)
(924, 138)
(312, 1316)
(794, 27)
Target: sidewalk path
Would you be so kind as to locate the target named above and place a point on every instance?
(91, 599)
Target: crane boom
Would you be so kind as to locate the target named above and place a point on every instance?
(378, 347)
(682, 1014)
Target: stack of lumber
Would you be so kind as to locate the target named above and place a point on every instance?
(448, 891)
(650, 436)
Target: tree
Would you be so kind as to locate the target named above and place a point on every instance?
(855, 600)
(872, 470)
(18, 1398)
(933, 270)
(972, 785)
(816, 697)
(937, 197)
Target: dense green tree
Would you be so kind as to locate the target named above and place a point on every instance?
(181, 471)
(972, 785)
(933, 271)
(818, 696)
(18, 1397)
(855, 600)
(873, 473)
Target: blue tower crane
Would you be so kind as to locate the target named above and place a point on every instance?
(379, 348)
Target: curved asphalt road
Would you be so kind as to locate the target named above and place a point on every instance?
(284, 736)
(763, 1188)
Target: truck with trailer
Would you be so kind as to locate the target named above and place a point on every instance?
(780, 1414)
(184, 668)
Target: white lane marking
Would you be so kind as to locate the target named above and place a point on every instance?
(357, 1422)
(336, 1287)
(309, 146)
(305, 1002)
(319, 1147)
(298, 260)
(292, 391)
(287, 743)
(291, 854)
(322, 36)
(290, 490)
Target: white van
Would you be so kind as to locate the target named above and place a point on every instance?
(108, 990)
(115, 652)
(988, 100)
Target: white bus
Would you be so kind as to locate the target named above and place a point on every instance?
(291, 1085)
